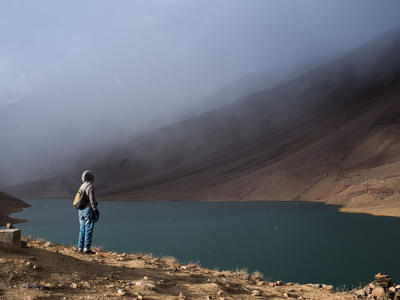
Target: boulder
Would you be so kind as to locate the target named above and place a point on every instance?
(384, 281)
(379, 293)
(10, 238)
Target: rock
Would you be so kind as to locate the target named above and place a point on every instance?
(10, 238)
(371, 286)
(36, 286)
(378, 293)
(181, 296)
(260, 283)
(290, 295)
(397, 295)
(145, 284)
(255, 293)
(145, 278)
(219, 293)
(279, 283)
(359, 293)
(121, 292)
(74, 285)
(48, 244)
(382, 280)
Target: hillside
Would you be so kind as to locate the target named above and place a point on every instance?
(46, 271)
(9, 204)
(328, 135)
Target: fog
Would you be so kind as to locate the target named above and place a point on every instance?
(85, 75)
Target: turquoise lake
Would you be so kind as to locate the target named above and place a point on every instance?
(290, 241)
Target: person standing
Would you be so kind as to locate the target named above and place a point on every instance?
(88, 213)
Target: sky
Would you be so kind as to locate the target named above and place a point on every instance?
(79, 73)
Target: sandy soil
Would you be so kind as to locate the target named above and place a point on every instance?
(47, 271)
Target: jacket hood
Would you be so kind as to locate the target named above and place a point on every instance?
(87, 176)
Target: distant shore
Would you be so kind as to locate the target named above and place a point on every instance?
(9, 205)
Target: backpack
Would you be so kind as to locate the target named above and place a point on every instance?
(81, 199)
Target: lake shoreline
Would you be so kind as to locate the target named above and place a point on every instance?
(144, 276)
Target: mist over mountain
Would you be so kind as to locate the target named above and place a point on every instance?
(81, 79)
(329, 135)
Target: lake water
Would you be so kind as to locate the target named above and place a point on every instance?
(290, 241)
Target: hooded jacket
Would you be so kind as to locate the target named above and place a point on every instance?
(87, 186)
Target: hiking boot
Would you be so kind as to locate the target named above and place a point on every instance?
(89, 252)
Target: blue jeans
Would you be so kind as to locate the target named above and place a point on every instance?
(86, 221)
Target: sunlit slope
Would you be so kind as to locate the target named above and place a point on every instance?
(330, 135)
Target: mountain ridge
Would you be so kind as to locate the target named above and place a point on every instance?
(296, 141)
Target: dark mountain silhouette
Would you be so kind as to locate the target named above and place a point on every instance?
(331, 134)
(9, 204)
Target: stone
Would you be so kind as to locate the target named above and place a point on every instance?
(328, 287)
(181, 296)
(279, 283)
(371, 286)
(256, 293)
(10, 238)
(378, 293)
(383, 281)
(47, 244)
(74, 285)
(121, 292)
(290, 295)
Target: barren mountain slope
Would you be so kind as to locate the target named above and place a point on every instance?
(329, 135)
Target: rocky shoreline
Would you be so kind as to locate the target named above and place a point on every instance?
(43, 270)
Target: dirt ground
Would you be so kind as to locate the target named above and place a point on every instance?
(42, 270)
